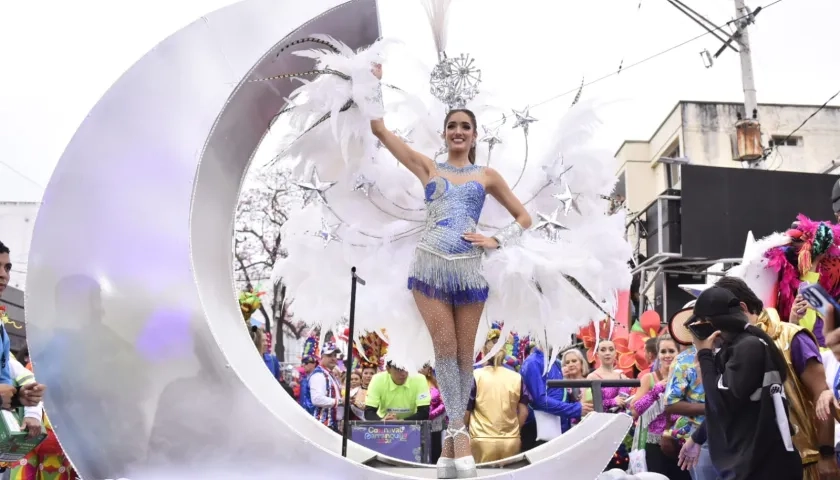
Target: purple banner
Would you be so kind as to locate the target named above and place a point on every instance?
(400, 441)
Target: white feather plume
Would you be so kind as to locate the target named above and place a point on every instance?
(437, 12)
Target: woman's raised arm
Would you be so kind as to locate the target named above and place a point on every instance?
(417, 163)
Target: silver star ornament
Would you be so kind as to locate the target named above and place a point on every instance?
(314, 188)
(565, 198)
(363, 185)
(523, 119)
(491, 137)
(550, 224)
(327, 233)
(403, 135)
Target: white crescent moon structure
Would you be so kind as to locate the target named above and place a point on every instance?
(132, 317)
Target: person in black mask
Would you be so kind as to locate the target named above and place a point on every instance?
(747, 423)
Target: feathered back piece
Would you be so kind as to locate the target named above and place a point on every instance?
(810, 241)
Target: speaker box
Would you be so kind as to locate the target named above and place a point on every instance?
(670, 225)
(669, 298)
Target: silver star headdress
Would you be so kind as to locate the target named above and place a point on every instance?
(455, 81)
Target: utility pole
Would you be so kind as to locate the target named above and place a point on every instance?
(747, 128)
(742, 36)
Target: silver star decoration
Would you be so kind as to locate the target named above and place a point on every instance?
(442, 149)
(403, 135)
(548, 169)
(550, 224)
(523, 119)
(327, 233)
(400, 134)
(363, 185)
(491, 137)
(565, 198)
(314, 188)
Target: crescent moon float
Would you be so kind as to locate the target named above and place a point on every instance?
(132, 317)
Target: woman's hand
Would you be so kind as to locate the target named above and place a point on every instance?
(377, 70)
(480, 240)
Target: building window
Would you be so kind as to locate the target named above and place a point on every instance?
(785, 141)
(673, 171)
(674, 174)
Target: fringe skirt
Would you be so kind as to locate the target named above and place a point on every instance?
(455, 280)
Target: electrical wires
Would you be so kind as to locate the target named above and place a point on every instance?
(21, 175)
(775, 147)
(647, 59)
(810, 117)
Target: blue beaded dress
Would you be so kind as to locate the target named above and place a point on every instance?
(446, 266)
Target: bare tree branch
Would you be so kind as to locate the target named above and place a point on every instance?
(261, 213)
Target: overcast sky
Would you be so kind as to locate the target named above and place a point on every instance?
(59, 57)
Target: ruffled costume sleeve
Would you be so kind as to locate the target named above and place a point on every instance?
(648, 399)
(611, 395)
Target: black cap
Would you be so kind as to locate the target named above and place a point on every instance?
(714, 302)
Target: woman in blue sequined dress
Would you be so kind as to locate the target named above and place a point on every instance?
(445, 275)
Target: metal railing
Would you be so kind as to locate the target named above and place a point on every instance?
(595, 385)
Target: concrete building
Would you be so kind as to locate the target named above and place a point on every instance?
(703, 133)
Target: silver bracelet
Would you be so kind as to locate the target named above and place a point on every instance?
(508, 235)
(377, 96)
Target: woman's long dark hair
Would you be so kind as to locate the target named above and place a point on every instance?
(469, 113)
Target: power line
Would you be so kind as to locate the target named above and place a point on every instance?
(811, 116)
(647, 59)
(21, 175)
(776, 145)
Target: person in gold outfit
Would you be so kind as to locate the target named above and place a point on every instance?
(805, 387)
(497, 408)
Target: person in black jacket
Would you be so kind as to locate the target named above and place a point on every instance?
(747, 423)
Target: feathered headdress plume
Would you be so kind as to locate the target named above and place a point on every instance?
(810, 242)
(311, 351)
(369, 351)
(438, 13)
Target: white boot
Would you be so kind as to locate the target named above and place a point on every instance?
(464, 466)
(446, 468)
